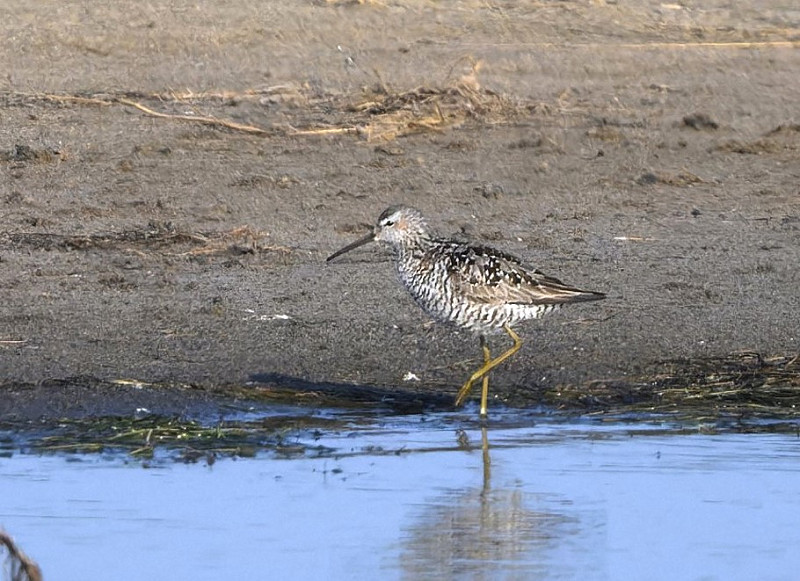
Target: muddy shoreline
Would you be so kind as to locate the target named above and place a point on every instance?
(172, 184)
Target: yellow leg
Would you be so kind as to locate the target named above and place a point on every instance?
(487, 461)
(487, 357)
(486, 368)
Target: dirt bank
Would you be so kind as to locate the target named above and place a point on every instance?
(173, 178)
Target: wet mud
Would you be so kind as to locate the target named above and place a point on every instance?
(172, 183)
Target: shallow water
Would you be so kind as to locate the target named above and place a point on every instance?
(414, 497)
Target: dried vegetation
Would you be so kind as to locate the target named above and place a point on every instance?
(744, 386)
(375, 114)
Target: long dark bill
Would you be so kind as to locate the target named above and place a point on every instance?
(360, 242)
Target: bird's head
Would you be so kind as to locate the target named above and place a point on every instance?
(397, 225)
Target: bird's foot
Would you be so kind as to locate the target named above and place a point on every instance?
(464, 392)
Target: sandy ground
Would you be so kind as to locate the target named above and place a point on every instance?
(650, 152)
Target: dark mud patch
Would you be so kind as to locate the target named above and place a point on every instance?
(155, 236)
(192, 423)
(741, 393)
(700, 121)
(681, 179)
(276, 387)
(79, 398)
(25, 153)
(784, 137)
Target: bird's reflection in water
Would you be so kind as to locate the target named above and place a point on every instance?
(481, 531)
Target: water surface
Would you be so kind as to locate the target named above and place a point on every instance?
(417, 497)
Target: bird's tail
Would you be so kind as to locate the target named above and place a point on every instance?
(582, 296)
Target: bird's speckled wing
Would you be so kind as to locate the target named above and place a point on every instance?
(487, 276)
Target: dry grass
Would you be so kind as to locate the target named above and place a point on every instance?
(422, 110)
(186, 440)
(744, 385)
(375, 115)
(201, 119)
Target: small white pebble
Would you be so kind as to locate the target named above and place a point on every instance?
(274, 317)
(410, 376)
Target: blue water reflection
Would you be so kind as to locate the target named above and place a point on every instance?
(412, 498)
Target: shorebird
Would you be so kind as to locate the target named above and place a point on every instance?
(473, 287)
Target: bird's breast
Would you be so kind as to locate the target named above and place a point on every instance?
(427, 282)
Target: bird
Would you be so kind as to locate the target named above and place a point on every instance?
(473, 287)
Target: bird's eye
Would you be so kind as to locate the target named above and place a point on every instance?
(389, 223)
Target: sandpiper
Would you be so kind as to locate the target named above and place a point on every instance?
(474, 287)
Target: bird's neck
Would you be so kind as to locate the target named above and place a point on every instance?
(413, 247)
(413, 260)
